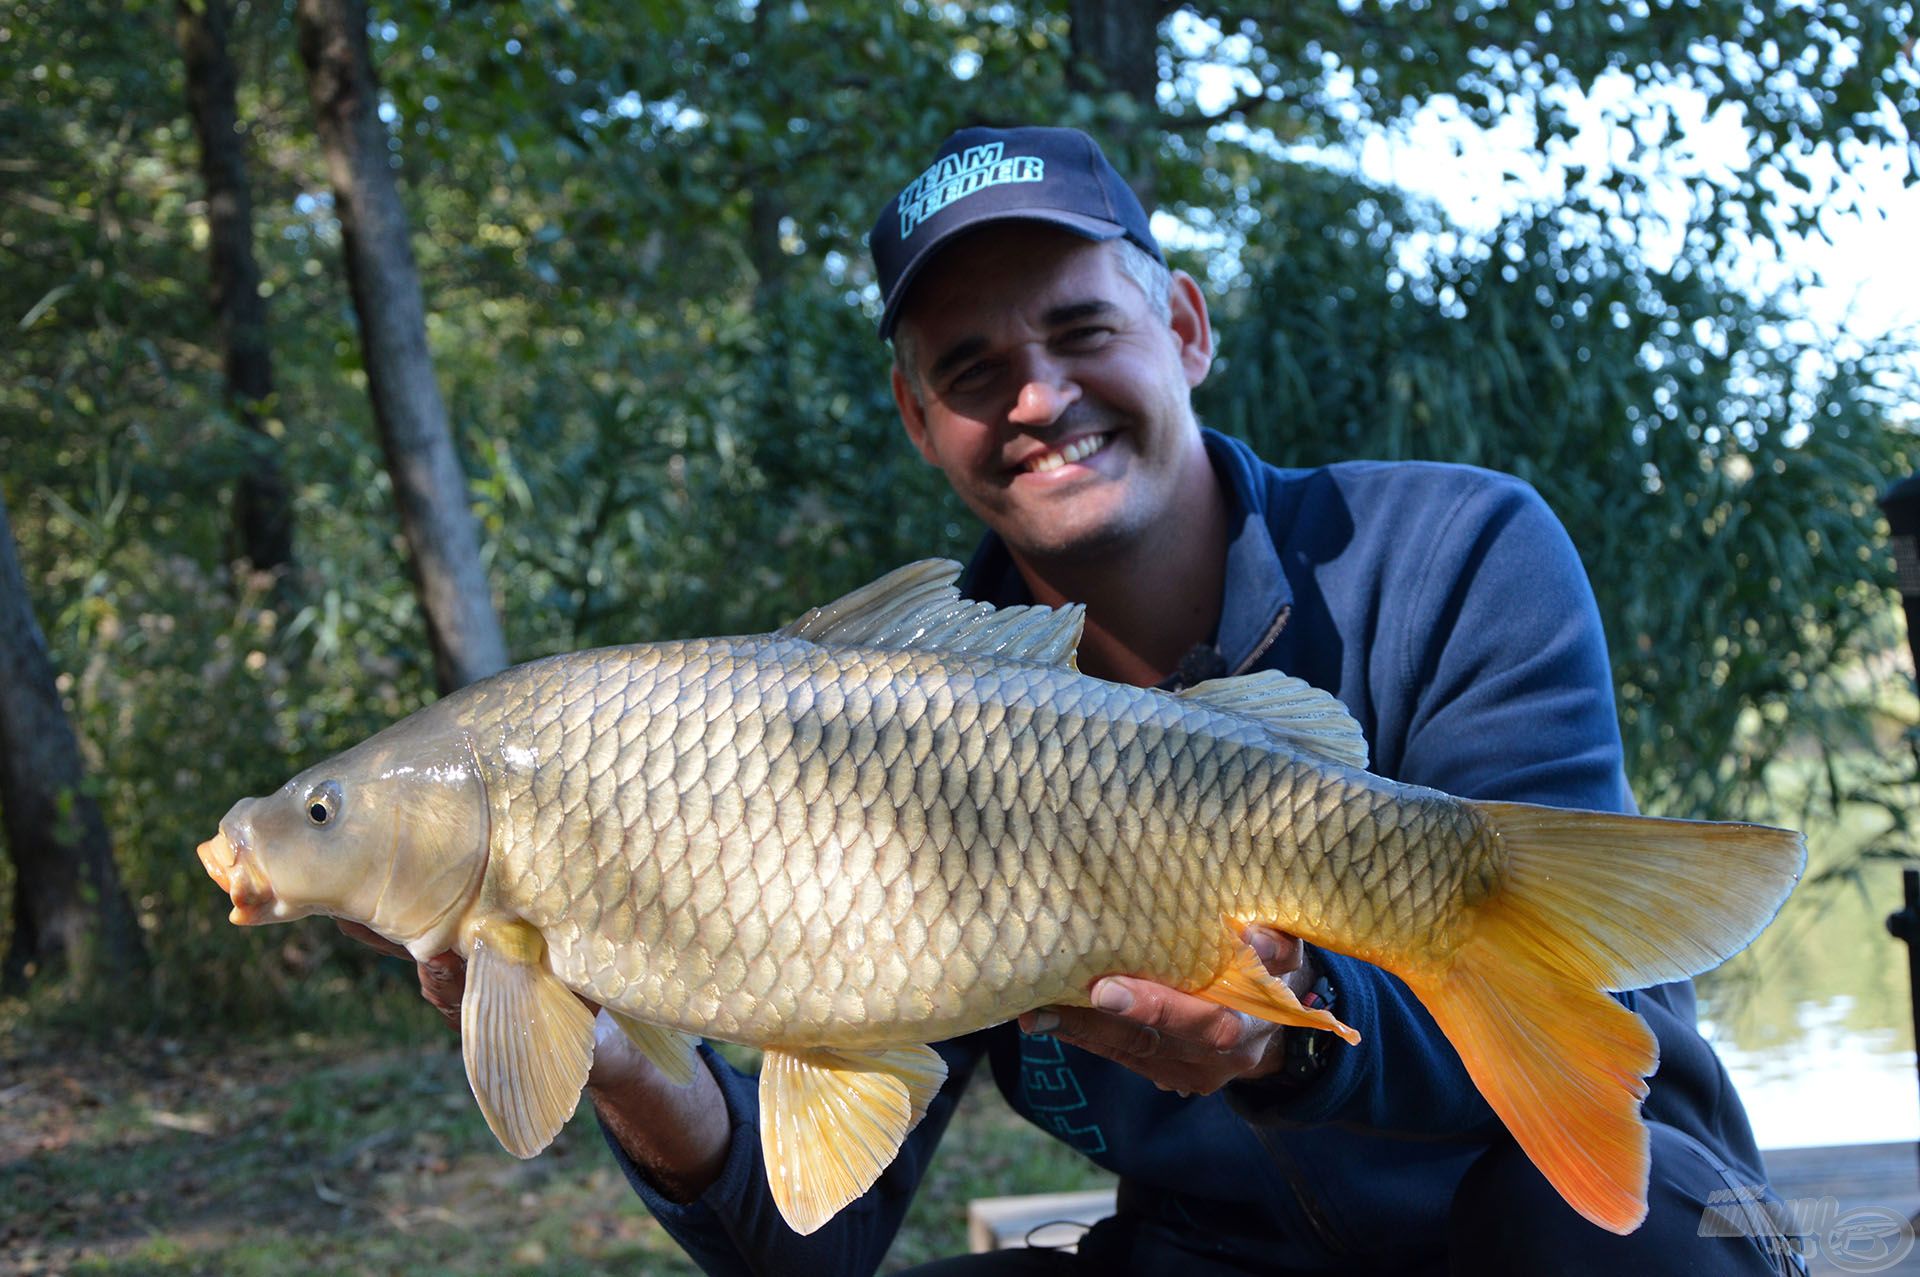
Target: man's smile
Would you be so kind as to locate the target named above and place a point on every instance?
(1074, 450)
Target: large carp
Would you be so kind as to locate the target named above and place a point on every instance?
(906, 816)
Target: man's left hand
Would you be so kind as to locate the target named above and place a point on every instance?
(1176, 1040)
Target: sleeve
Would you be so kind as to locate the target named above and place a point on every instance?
(1495, 685)
(735, 1228)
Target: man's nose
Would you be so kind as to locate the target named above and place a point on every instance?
(1046, 391)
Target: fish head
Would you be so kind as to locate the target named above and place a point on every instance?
(392, 833)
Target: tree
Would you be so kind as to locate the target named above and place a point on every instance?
(735, 112)
(69, 914)
(1114, 56)
(263, 517)
(640, 228)
(429, 485)
(1722, 507)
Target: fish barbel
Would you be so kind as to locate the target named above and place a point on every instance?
(906, 816)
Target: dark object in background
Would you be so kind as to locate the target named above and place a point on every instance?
(1901, 503)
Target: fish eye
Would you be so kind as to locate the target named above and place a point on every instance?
(323, 802)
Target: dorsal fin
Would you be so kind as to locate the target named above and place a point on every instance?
(919, 606)
(1294, 712)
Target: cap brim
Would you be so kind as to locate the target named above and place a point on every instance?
(1093, 228)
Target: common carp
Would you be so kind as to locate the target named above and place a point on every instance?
(906, 816)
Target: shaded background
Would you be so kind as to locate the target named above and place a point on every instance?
(648, 318)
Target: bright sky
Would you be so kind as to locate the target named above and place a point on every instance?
(1478, 176)
(1863, 263)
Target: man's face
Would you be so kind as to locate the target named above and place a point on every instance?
(1049, 393)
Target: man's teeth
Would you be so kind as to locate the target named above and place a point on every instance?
(1078, 450)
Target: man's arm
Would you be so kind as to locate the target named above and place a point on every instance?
(1507, 694)
(692, 1153)
(1490, 680)
(677, 1135)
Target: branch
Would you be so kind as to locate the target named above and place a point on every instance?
(96, 217)
(1199, 123)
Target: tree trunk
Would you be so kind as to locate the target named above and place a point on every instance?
(765, 208)
(68, 910)
(428, 483)
(1116, 49)
(261, 506)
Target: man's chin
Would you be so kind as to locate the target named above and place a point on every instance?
(1070, 542)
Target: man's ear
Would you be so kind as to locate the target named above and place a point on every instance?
(1191, 326)
(912, 415)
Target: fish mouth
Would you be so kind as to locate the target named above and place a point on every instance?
(239, 877)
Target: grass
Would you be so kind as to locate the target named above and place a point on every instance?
(349, 1153)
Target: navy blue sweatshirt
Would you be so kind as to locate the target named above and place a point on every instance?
(1446, 607)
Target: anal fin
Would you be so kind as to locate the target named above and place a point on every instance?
(1247, 986)
(832, 1120)
(526, 1039)
(671, 1051)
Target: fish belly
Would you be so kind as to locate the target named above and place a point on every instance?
(776, 843)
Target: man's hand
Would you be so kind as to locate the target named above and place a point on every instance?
(1175, 1040)
(443, 978)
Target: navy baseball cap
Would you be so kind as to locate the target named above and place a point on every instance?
(983, 175)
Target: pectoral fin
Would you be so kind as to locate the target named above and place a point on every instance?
(671, 1051)
(527, 1041)
(832, 1120)
(1247, 986)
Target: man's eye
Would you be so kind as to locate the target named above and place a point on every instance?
(1084, 336)
(971, 377)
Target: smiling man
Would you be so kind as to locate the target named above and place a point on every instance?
(1051, 390)
(1044, 359)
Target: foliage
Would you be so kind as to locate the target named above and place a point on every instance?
(639, 233)
(1718, 482)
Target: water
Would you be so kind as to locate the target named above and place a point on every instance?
(1831, 1085)
(1815, 1020)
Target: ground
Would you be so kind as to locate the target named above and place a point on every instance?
(337, 1154)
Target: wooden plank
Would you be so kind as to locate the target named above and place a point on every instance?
(1053, 1220)
(1852, 1208)
(1852, 1169)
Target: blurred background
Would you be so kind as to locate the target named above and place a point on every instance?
(287, 289)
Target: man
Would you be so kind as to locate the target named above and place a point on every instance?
(1044, 361)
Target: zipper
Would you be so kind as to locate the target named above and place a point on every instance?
(1266, 640)
(1323, 1230)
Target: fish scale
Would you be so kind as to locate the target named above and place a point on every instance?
(981, 791)
(906, 816)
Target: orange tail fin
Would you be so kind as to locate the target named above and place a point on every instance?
(1594, 902)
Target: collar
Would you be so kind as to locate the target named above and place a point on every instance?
(1256, 595)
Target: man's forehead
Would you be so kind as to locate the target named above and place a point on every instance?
(1006, 272)
(1024, 244)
